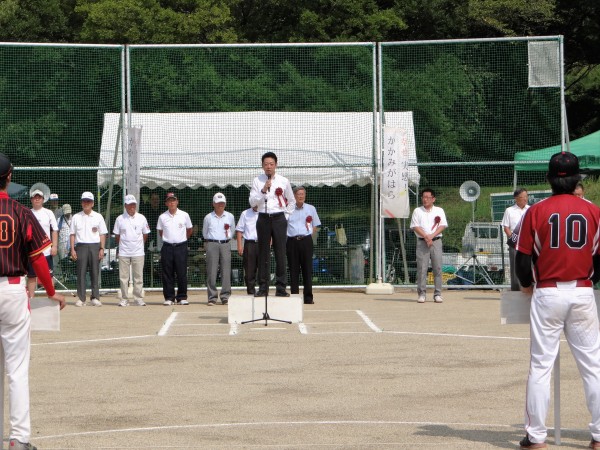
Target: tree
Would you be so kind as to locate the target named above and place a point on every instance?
(155, 22)
(35, 21)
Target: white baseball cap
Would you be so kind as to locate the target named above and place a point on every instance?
(67, 209)
(219, 198)
(53, 196)
(130, 199)
(87, 196)
(37, 192)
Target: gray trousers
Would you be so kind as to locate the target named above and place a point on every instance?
(218, 255)
(87, 259)
(424, 254)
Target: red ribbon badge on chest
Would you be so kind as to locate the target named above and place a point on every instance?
(279, 195)
(436, 222)
(308, 221)
(226, 231)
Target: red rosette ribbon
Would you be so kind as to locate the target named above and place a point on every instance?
(436, 222)
(308, 221)
(226, 231)
(279, 193)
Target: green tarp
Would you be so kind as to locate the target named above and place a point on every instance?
(586, 148)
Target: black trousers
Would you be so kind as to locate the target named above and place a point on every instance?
(250, 263)
(299, 255)
(271, 229)
(174, 262)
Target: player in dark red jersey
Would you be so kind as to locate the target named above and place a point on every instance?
(22, 239)
(558, 261)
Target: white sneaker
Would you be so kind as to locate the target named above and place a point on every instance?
(438, 298)
(167, 303)
(96, 302)
(184, 302)
(140, 303)
(421, 299)
(79, 303)
(123, 303)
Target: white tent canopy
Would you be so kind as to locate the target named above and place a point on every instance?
(220, 149)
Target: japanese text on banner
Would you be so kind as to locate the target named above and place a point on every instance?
(394, 180)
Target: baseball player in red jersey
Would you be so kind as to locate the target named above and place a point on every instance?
(22, 239)
(558, 260)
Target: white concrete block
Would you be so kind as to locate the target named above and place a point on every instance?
(45, 314)
(242, 308)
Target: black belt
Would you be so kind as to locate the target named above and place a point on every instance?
(277, 214)
(251, 241)
(215, 240)
(434, 239)
(176, 244)
(299, 237)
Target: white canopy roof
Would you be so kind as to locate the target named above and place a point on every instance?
(220, 149)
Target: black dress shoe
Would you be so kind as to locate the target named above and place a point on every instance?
(260, 294)
(309, 302)
(282, 294)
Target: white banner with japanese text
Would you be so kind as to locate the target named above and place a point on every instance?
(134, 148)
(394, 174)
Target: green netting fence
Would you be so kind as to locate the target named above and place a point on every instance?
(206, 114)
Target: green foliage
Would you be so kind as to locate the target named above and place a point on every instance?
(155, 22)
(36, 21)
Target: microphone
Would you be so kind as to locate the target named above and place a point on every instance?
(268, 178)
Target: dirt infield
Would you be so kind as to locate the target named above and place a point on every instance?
(360, 372)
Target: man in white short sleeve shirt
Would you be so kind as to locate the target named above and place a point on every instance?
(131, 232)
(175, 228)
(88, 236)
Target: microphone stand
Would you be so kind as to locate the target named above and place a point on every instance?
(265, 315)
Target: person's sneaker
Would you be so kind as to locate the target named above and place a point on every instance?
(96, 302)
(167, 303)
(123, 303)
(526, 443)
(18, 445)
(79, 303)
(438, 298)
(212, 303)
(224, 302)
(594, 444)
(140, 303)
(421, 299)
(184, 302)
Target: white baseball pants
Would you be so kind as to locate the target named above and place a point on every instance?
(572, 309)
(15, 326)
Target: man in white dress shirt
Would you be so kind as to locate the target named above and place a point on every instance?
(131, 232)
(428, 222)
(302, 225)
(510, 220)
(218, 228)
(273, 196)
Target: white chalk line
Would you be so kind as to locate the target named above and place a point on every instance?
(165, 328)
(280, 424)
(368, 321)
(87, 341)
